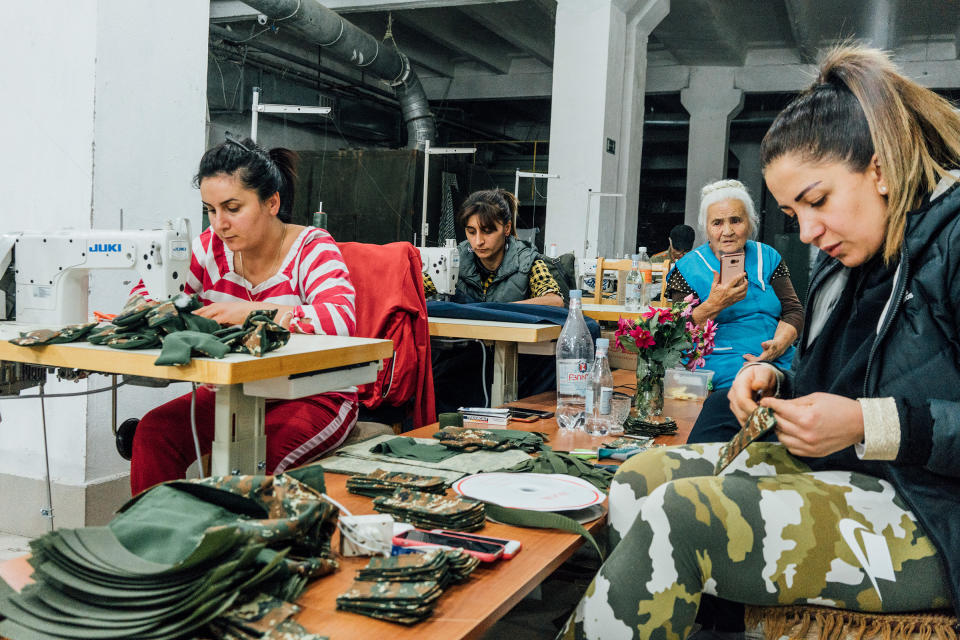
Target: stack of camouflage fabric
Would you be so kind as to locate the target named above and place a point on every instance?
(175, 558)
(468, 439)
(432, 511)
(384, 483)
(405, 588)
(144, 324)
(261, 617)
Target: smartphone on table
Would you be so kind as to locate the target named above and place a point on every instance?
(521, 414)
(484, 551)
(510, 547)
(731, 266)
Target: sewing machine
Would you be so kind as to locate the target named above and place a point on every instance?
(442, 264)
(50, 268)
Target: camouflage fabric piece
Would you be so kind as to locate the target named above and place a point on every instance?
(767, 531)
(431, 511)
(70, 333)
(102, 333)
(179, 347)
(139, 339)
(470, 439)
(403, 602)
(760, 422)
(176, 314)
(260, 618)
(258, 335)
(134, 311)
(382, 483)
(297, 516)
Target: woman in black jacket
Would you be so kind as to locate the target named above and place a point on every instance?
(858, 505)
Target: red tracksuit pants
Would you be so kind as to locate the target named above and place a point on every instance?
(297, 432)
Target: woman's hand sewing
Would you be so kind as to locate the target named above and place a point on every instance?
(751, 383)
(818, 424)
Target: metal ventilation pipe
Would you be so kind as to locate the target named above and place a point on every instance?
(324, 27)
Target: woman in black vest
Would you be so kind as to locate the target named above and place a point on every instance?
(496, 265)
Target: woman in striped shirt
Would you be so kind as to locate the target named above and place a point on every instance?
(251, 257)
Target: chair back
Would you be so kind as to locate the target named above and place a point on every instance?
(391, 305)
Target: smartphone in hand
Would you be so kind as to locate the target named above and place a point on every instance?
(731, 266)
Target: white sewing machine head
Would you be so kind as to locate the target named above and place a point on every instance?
(442, 264)
(50, 267)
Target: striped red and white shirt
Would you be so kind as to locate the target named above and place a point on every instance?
(312, 278)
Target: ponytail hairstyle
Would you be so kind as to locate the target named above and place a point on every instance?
(862, 105)
(490, 207)
(266, 172)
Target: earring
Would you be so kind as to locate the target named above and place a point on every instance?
(883, 189)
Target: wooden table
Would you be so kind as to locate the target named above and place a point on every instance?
(466, 610)
(244, 381)
(505, 337)
(612, 312)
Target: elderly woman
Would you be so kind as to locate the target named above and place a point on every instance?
(858, 504)
(758, 314)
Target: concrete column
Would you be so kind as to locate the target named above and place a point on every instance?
(596, 127)
(750, 174)
(108, 117)
(712, 102)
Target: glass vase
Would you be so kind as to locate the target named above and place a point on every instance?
(648, 399)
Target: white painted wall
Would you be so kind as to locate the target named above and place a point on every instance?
(108, 114)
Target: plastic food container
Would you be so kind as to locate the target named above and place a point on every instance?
(681, 384)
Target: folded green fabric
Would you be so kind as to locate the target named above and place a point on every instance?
(134, 311)
(178, 347)
(412, 450)
(142, 338)
(550, 461)
(177, 557)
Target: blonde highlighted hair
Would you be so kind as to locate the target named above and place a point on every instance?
(861, 106)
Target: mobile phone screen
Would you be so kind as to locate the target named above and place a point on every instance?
(452, 541)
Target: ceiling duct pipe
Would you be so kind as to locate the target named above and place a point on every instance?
(352, 45)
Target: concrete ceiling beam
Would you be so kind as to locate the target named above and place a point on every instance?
(703, 32)
(522, 25)
(457, 32)
(802, 17)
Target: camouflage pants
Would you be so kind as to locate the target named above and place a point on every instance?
(767, 531)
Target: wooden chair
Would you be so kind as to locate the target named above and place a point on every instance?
(663, 268)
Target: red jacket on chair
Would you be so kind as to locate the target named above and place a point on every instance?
(391, 305)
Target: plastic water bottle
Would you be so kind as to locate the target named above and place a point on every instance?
(574, 349)
(598, 406)
(634, 291)
(646, 270)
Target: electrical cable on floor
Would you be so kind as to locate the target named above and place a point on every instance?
(66, 395)
(483, 372)
(193, 426)
(48, 512)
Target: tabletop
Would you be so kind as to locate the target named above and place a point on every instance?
(493, 330)
(466, 610)
(301, 354)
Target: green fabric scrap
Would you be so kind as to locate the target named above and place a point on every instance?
(178, 348)
(411, 449)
